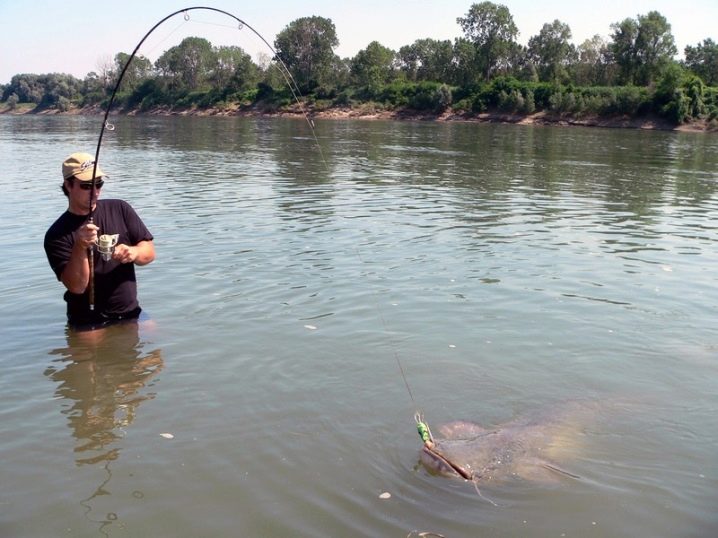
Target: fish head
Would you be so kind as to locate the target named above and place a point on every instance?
(435, 461)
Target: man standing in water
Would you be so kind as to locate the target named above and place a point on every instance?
(69, 238)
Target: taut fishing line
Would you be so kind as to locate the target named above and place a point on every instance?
(288, 78)
(421, 426)
(172, 32)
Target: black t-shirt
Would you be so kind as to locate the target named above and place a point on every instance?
(115, 283)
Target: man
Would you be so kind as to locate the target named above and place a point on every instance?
(68, 239)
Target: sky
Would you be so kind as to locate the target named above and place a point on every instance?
(79, 36)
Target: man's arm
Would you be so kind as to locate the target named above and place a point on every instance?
(76, 274)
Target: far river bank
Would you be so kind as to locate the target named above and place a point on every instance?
(371, 112)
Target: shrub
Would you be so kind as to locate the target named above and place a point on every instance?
(443, 97)
(463, 105)
(678, 108)
(427, 96)
(344, 98)
(63, 104)
(512, 101)
(529, 106)
(630, 100)
(695, 91)
(12, 101)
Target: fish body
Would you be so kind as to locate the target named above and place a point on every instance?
(523, 448)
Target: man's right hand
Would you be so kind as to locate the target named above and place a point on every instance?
(86, 235)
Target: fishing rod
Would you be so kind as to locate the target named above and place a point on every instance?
(288, 78)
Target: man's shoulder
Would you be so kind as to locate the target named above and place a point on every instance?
(115, 212)
(60, 226)
(115, 208)
(113, 203)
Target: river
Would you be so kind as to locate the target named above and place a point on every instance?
(310, 295)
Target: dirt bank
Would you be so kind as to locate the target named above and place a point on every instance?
(370, 112)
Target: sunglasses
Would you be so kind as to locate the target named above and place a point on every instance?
(87, 185)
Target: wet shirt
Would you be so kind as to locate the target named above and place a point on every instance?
(115, 282)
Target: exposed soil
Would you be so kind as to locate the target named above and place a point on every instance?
(370, 112)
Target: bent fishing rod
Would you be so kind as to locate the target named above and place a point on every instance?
(289, 79)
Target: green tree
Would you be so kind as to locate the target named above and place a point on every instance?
(491, 28)
(427, 59)
(339, 75)
(93, 90)
(270, 73)
(60, 90)
(642, 48)
(188, 65)
(139, 69)
(28, 88)
(623, 49)
(593, 65)
(463, 67)
(703, 61)
(552, 52)
(46, 91)
(373, 66)
(234, 71)
(306, 47)
(655, 45)
(523, 66)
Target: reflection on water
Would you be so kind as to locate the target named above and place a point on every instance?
(102, 378)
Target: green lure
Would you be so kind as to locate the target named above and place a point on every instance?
(423, 430)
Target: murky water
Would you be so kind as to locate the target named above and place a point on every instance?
(505, 269)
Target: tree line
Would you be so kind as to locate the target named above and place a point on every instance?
(632, 72)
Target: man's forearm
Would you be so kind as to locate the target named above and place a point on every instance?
(76, 274)
(145, 252)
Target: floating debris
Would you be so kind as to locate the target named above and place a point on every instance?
(167, 435)
(310, 327)
(385, 495)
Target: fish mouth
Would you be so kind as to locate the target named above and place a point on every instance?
(436, 456)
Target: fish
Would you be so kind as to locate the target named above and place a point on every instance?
(528, 448)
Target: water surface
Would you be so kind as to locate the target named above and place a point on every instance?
(505, 268)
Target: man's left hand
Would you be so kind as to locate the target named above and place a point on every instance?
(124, 254)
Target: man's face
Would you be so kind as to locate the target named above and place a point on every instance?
(79, 194)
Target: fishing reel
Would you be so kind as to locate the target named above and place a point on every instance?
(106, 245)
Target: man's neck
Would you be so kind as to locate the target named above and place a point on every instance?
(79, 211)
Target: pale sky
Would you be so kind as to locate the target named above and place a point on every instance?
(77, 36)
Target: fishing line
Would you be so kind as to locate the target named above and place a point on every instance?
(217, 24)
(422, 427)
(288, 78)
(150, 50)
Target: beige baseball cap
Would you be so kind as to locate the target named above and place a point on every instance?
(80, 166)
